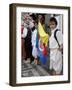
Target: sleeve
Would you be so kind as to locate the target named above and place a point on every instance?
(24, 33)
(34, 38)
(60, 37)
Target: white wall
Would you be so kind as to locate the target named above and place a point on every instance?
(4, 45)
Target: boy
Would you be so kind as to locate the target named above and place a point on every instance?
(55, 47)
(33, 41)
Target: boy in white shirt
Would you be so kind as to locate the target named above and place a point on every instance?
(55, 47)
(33, 41)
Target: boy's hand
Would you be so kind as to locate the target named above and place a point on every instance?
(61, 48)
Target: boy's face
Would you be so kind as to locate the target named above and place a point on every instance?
(52, 25)
(31, 24)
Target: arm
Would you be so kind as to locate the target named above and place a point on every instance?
(60, 40)
(24, 33)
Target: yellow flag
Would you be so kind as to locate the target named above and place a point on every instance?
(43, 35)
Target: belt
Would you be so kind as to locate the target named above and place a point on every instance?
(54, 48)
(22, 38)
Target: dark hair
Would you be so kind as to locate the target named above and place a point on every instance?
(53, 19)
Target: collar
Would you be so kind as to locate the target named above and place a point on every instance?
(52, 31)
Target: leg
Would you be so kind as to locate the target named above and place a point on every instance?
(23, 53)
(57, 65)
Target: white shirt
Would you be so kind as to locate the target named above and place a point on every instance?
(52, 41)
(33, 40)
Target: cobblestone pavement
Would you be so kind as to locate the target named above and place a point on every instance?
(29, 70)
